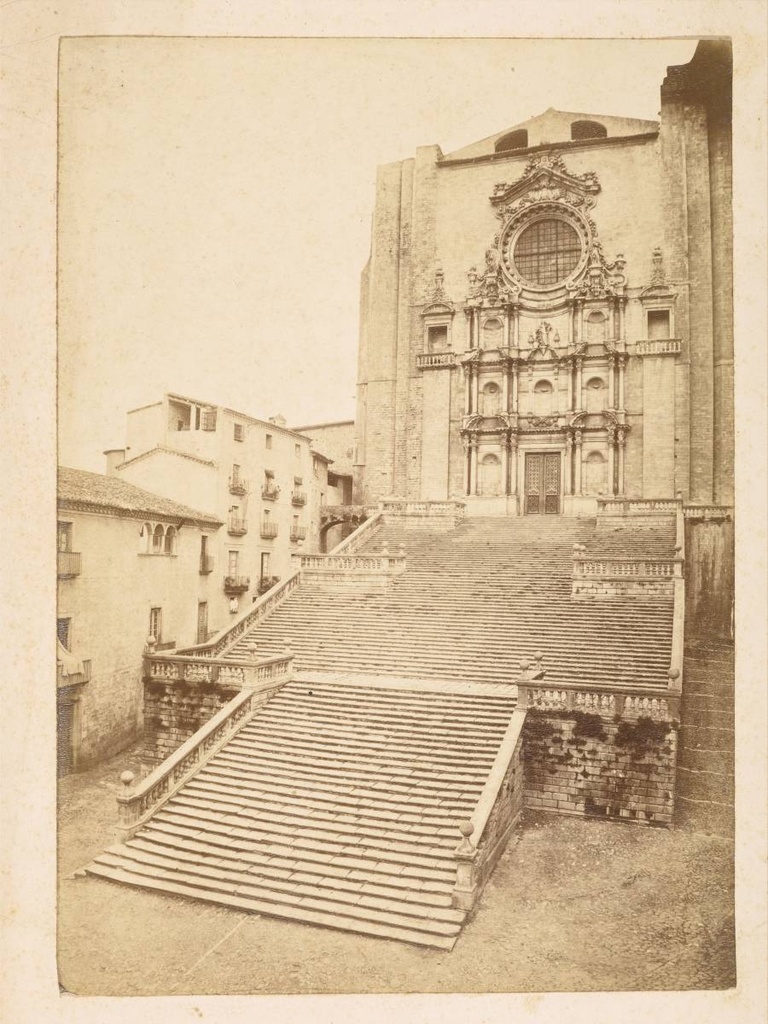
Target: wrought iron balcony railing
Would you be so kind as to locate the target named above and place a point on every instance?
(298, 533)
(237, 485)
(68, 564)
(270, 492)
(236, 584)
(299, 498)
(237, 527)
(268, 530)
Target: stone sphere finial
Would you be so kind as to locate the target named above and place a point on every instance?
(127, 779)
(525, 664)
(252, 649)
(466, 828)
(674, 673)
(385, 548)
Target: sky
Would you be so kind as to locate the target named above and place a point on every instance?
(216, 195)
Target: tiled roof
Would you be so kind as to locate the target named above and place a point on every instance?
(98, 492)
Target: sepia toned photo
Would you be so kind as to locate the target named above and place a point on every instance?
(395, 554)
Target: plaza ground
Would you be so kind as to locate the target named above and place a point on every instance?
(573, 905)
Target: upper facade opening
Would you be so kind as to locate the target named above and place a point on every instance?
(588, 130)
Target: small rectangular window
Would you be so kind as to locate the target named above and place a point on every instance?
(232, 563)
(658, 324)
(239, 433)
(156, 624)
(297, 450)
(268, 440)
(63, 632)
(197, 417)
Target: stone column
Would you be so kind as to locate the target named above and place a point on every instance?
(513, 465)
(577, 399)
(467, 464)
(623, 316)
(476, 327)
(505, 388)
(622, 364)
(567, 474)
(505, 465)
(515, 386)
(611, 380)
(475, 388)
(469, 313)
(467, 390)
(474, 465)
(577, 467)
(621, 442)
(611, 442)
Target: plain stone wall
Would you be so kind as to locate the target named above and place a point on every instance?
(175, 711)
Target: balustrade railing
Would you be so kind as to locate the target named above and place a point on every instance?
(638, 506)
(258, 611)
(136, 805)
(68, 564)
(496, 812)
(610, 702)
(361, 536)
(191, 669)
(346, 564)
(422, 508)
(716, 512)
(618, 568)
(428, 360)
(659, 347)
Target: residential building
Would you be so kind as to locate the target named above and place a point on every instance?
(256, 475)
(130, 565)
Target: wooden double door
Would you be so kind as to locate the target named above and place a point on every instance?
(542, 483)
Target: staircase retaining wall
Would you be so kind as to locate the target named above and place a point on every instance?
(174, 711)
(586, 764)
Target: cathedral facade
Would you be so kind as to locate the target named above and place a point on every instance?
(546, 315)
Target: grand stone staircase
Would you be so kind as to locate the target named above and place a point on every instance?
(339, 802)
(474, 602)
(337, 805)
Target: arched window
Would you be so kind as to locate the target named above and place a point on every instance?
(595, 394)
(595, 474)
(514, 140)
(145, 539)
(490, 399)
(157, 540)
(542, 398)
(587, 130)
(490, 475)
(170, 541)
(596, 327)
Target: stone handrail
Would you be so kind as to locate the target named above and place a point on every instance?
(360, 536)
(170, 668)
(422, 508)
(584, 565)
(137, 805)
(428, 360)
(678, 637)
(610, 701)
(659, 347)
(708, 512)
(348, 566)
(257, 612)
(496, 811)
(638, 506)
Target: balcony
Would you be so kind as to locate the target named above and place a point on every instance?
(268, 530)
(270, 492)
(237, 485)
(206, 564)
(299, 498)
(236, 584)
(237, 527)
(298, 533)
(68, 564)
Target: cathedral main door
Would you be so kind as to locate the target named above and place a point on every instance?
(542, 483)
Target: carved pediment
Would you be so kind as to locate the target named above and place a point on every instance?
(545, 179)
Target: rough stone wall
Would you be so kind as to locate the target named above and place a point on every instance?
(709, 591)
(175, 711)
(597, 586)
(585, 764)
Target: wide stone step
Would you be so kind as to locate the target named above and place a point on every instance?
(318, 912)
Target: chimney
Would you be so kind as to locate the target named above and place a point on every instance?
(115, 458)
(278, 420)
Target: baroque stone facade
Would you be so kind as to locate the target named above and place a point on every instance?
(546, 315)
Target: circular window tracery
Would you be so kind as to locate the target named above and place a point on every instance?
(547, 251)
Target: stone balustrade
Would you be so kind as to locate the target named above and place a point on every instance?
(177, 668)
(136, 805)
(659, 347)
(717, 513)
(361, 536)
(256, 613)
(434, 360)
(485, 834)
(610, 702)
(622, 577)
(637, 506)
(350, 567)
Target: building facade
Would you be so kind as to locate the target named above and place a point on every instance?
(262, 479)
(546, 315)
(130, 565)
